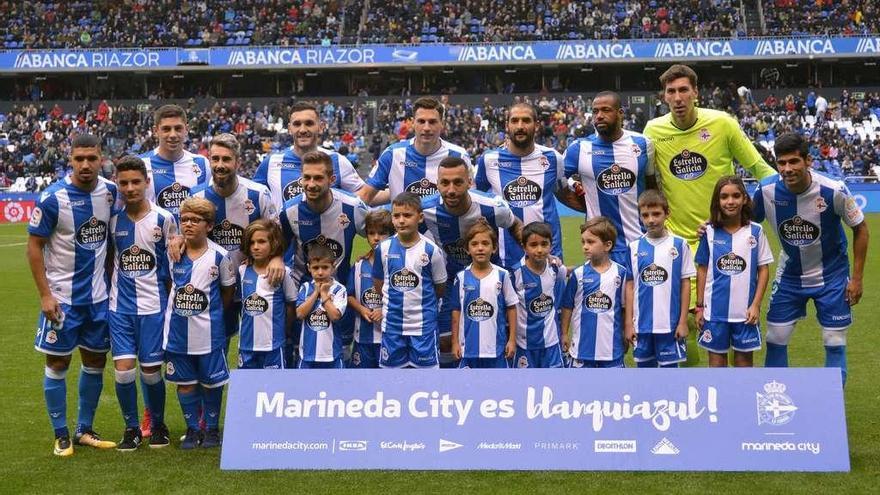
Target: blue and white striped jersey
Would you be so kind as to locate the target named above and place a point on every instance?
(194, 319)
(596, 303)
(613, 176)
(263, 310)
(657, 267)
(319, 341)
(409, 301)
(732, 262)
(76, 224)
(281, 173)
(401, 168)
(172, 182)
(537, 309)
(249, 202)
(360, 282)
(334, 227)
(808, 224)
(527, 184)
(140, 261)
(448, 230)
(483, 303)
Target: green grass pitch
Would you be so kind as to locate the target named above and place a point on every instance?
(28, 466)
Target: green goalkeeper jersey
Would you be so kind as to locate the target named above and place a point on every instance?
(690, 162)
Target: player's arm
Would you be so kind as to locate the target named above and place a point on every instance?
(629, 331)
(571, 199)
(701, 291)
(567, 306)
(372, 196)
(754, 310)
(566, 328)
(334, 304)
(681, 330)
(746, 154)
(304, 307)
(108, 261)
(515, 229)
(227, 293)
(510, 348)
(456, 341)
(860, 252)
(48, 304)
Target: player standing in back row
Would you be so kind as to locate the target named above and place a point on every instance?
(693, 148)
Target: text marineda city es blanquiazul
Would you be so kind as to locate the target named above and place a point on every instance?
(539, 404)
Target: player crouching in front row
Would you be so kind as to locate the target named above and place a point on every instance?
(203, 284)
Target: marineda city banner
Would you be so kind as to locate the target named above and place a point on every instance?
(760, 419)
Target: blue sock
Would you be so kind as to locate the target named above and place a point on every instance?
(154, 395)
(55, 390)
(145, 392)
(670, 365)
(126, 394)
(835, 357)
(189, 404)
(91, 382)
(777, 356)
(651, 363)
(213, 400)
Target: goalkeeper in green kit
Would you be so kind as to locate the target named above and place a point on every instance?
(693, 148)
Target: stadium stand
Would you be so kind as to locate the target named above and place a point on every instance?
(827, 17)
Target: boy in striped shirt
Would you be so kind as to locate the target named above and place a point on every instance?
(320, 305)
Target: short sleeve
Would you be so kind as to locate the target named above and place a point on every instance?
(268, 210)
(702, 256)
(570, 291)
(765, 255)
(288, 284)
(169, 228)
(349, 179)
(261, 176)
(227, 272)
(504, 217)
(687, 261)
(570, 159)
(847, 208)
(455, 298)
(510, 296)
(378, 178)
(438, 266)
(360, 216)
(650, 168)
(302, 294)
(44, 217)
(340, 298)
(559, 180)
(378, 266)
(481, 180)
(630, 268)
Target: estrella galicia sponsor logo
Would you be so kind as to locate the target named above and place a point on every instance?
(615, 180)
(293, 189)
(688, 165)
(371, 299)
(189, 301)
(774, 406)
(255, 305)
(91, 234)
(228, 235)
(352, 445)
(480, 310)
(653, 275)
(332, 244)
(799, 232)
(423, 187)
(541, 305)
(731, 264)
(171, 197)
(521, 192)
(597, 302)
(402, 445)
(318, 320)
(614, 446)
(457, 250)
(135, 261)
(404, 280)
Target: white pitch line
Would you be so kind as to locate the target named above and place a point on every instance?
(13, 245)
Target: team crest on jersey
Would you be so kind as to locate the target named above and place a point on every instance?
(821, 205)
(51, 337)
(521, 192)
(424, 259)
(292, 189)
(597, 302)
(254, 305)
(617, 281)
(214, 271)
(171, 197)
(197, 171)
(249, 207)
(545, 163)
(731, 264)
(343, 220)
(688, 165)
(404, 280)
(91, 234)
(169, 368)
(318, 320)
(480, 310)
(798, 232)
(334, 246)
(774, 406)
(673, 252)
(109, 197)
(653, 275)
(705, 135)
(615, 180)
(636, 150)
(227, 234)
(422, 187)
(157, 233)
(498, 287)
(522, 362)
(136, 262)
(189, 301)
(36, 217)
(541, 305)
(752, 241)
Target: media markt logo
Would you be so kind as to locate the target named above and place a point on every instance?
(774, 406)
(665, 447)
(447, 445)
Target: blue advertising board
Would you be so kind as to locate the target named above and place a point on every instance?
(442, 54)
(756, 419)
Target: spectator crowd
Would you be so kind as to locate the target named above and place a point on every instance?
(146, 23)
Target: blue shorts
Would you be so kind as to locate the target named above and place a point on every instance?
(660, 346)
(345, 326)
(210, 370)
(365, 356)
(81, 326)
(476, 363)
(261, 360)
(321, 365)
(720, 336)
(137, 337)
(549, 357)
(418, 351)
(444, 314)
(231, 318)
(788, 304)
(587, 363)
